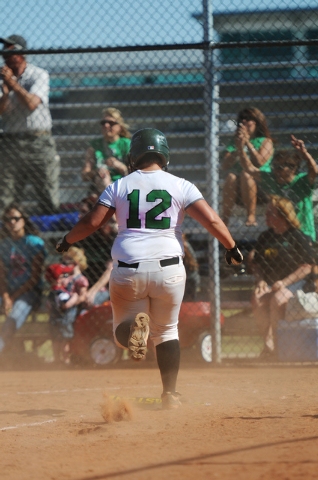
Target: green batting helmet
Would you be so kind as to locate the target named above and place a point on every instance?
(149, 140)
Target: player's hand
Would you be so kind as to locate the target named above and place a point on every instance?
(62, 245)
(233, 256)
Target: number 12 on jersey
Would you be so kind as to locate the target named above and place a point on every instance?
(151, 221)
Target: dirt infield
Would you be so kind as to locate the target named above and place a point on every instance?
(242, 424)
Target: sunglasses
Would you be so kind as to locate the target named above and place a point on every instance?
(110, 122)
(9, 219)
(281, 166)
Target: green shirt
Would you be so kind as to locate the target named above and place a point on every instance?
(118, 149)
(299, 192)
(256, 142)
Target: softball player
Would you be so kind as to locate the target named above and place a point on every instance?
(148, 278)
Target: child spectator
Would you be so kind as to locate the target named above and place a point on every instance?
(68, 292)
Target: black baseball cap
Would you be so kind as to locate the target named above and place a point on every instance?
(16, 40)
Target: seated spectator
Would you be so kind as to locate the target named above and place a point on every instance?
(106, 157)
(253, 140)
(97, 249)
(68, 292)
(285, 180)
(22, 256)
(300, 305)
(193, 281)
(282, 258)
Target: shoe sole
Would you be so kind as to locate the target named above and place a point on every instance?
(137, 342)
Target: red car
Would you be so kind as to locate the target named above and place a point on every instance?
(93, 333)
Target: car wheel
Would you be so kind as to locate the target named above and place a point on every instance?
(103, 351)
(204, 347)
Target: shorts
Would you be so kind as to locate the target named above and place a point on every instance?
(152, 289)
(302, 305)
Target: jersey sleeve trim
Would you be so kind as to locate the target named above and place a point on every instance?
(194, 201)
(106, 203)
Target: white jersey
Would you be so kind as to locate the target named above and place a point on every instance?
(150, 208)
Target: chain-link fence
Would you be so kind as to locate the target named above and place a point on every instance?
(228, 86)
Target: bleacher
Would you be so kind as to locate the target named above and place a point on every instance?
(174, 104)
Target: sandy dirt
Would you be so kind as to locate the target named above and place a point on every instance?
(235, 423)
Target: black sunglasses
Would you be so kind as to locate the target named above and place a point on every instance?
(110, 122)
(281, 166)
(9, 219)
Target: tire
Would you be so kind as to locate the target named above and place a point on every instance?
(204, 347)
(103, 351)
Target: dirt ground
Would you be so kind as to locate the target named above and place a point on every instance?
(235, 423)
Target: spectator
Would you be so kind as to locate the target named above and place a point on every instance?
(27, 149)
(22, 255)
(68, 292)
(300, 305)
(285, 180)
(281, 258)
(106, 158)
(256, 144)
(97, 249)
(193, 281)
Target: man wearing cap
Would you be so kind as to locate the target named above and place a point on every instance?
(27, 149)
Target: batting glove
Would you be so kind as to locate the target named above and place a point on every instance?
(233, 256)
(62, 245)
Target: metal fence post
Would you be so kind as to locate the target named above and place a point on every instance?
(211, 95)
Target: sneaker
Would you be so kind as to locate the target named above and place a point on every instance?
(267, 354)
(139, 332)
(170, 400)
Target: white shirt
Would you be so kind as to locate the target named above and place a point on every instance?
(150, 208)
(18, 118)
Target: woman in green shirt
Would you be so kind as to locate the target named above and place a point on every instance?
(106, 157)
(240, 187)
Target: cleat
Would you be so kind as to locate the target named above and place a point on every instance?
(137, 341)
(170, 400)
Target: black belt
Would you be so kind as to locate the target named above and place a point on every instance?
(164, 263)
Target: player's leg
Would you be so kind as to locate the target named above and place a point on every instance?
(165, 302)
(168, 359)
(130, 304)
